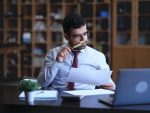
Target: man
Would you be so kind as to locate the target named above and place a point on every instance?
(58, 61)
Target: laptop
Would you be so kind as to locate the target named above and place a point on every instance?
(132, 88)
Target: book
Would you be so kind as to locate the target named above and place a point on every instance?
(70, 97)
(42, 95)
(89, 92)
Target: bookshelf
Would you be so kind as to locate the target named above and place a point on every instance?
(36, 25)
(130, 34)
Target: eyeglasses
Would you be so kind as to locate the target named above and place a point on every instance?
(80, 35)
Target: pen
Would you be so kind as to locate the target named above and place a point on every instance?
(78, 45)
(40, 92)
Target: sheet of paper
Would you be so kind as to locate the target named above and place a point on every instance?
(93, 77)
(42, 95)
(90, 92)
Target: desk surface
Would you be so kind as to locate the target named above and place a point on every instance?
(9, 101)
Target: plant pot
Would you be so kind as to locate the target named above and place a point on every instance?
(29, 96)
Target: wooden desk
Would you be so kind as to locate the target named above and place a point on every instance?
(9, 102)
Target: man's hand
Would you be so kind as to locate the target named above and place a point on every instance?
(62, 55)
(108, 86)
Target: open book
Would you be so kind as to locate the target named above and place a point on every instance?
(42, 95)
(89, 92)
(79, 94)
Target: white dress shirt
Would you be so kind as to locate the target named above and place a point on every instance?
(54, 73)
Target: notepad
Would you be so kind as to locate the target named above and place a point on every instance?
(42, 95)
(70, 97)
(89, 92)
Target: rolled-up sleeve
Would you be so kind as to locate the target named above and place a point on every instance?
(49, 69)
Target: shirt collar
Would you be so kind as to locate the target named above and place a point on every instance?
(83, 50)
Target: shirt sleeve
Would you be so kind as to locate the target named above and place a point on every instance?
(104, 65)
(49, 69)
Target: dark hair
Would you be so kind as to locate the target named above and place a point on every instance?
(72, 20)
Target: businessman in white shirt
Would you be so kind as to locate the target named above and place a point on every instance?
(58, 61)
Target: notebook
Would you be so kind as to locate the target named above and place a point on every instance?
(42, 95)
(69, 97)
(79, 94)
(132, 88)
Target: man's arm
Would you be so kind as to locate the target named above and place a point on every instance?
(48, 73)
(51, 65)
(110, 85)
(48, 70)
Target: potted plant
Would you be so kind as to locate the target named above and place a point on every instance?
(29, 86)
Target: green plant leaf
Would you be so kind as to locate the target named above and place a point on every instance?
(29, 85)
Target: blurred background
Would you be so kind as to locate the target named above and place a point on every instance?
(29, 28)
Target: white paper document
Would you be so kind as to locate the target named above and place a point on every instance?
(90, 92)
(92, 77)
(42, 95)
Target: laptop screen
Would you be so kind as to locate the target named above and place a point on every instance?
(132, 87)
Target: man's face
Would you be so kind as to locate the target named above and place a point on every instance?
(77, 35)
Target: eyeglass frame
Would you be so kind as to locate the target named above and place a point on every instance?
(80, 35)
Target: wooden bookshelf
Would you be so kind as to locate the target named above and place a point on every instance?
(36, 25)
(130, 34)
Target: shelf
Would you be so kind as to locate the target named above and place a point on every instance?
(131, 32)
(36, 25)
